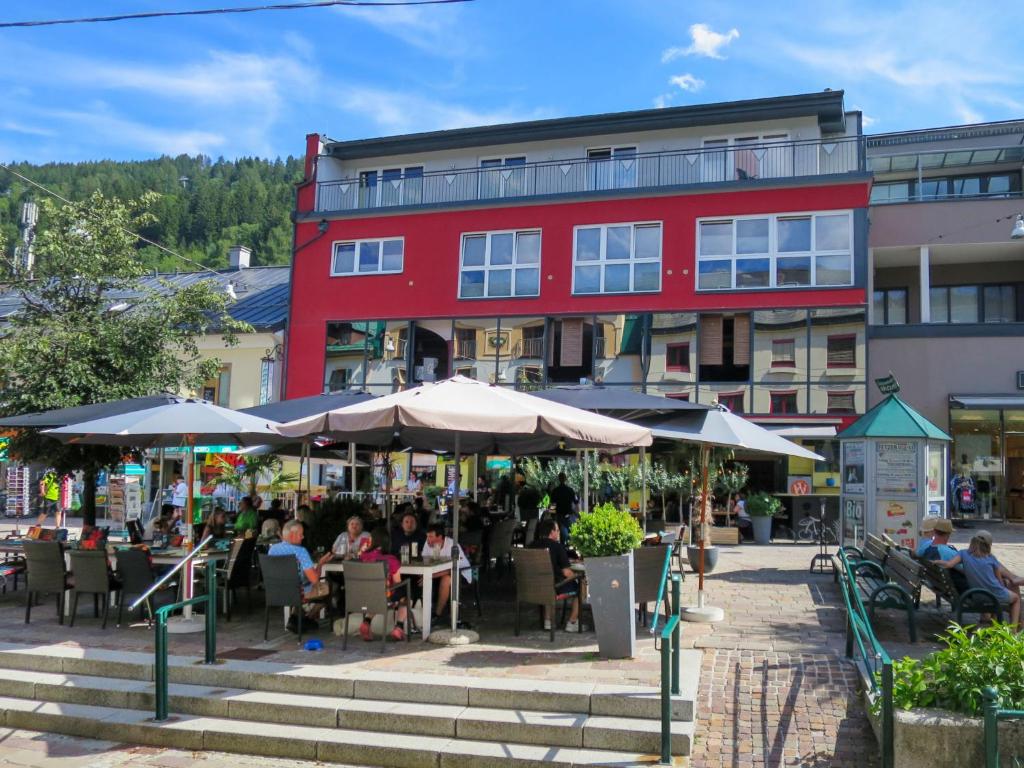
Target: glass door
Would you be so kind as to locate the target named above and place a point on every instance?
(1014, 426)
(976, 487)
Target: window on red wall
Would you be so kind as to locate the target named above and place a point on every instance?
(783, 402)
(842, 351)
(841, 403)
(783, 353)
(731, 400)
(677, 358)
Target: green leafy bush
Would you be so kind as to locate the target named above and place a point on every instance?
(763, 505)
(605, 532)
(952, 678)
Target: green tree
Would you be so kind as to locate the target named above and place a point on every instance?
(88, 331)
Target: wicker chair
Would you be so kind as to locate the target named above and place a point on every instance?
(535, 583)
(367, 592)
(46, 574)
(648, 569)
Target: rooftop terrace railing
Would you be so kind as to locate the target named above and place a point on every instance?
(621, 172)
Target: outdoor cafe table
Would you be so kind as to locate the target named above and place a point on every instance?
(425, 568)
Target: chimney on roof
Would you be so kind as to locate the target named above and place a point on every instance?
(238, 256)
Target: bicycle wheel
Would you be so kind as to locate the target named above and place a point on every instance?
(831, 537)
(808, 533)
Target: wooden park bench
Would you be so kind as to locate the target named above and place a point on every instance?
(898, 585)
(974, 600)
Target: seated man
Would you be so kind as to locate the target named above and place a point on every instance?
(547, 538)
(927, 529)
(408, 534)
(985, 572)
(439, 547)
(938, 548)
(309, 573)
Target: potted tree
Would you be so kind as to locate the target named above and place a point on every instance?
(606, 538)
(762, 507)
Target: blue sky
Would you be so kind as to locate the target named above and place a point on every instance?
(257, 83)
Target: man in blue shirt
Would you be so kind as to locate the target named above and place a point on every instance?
(938, 548)
(291, 544)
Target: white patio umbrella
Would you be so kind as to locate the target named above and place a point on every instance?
(463, 415)
(718, 427)
(182, 422)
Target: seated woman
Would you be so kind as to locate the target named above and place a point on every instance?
(743, 522)
(985, 572)
(376, 552)
(270, 533)
(352, 541)
(216, 524)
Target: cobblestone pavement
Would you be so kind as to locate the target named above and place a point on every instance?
(775, 688)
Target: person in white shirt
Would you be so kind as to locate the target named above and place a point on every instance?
(439, 547)
(743, 521)
(179, 493)
(352, 541)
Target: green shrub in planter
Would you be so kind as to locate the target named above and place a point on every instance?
(953, 677)
(763, 505)
(605, 532)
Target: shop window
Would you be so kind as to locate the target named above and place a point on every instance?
(677, 358)
(783, 402)
(732, 400)
(783, 353)
(841, 351)
(841, 403)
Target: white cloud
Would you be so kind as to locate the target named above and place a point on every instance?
(438, 30)
(29, 130)
(867, 121)
(663, 100)
(686, 82)
(102, 121)
(704, 41)
(399, 112)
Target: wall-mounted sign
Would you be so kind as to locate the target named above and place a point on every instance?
(853, 467)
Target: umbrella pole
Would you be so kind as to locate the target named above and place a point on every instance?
(159, 481)
(702, 612)
(455, 539)
(352, 468)
(190, 517)
(586, 480)
(309, 473)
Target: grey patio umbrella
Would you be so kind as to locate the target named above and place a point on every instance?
(717, 427)
(61, 417)
(183, 422)
(464, 415)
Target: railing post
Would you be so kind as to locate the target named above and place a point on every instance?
(160, 667)
(666, 702)
(888, 717)
(676, 634)
(991, 705)
(211, 612)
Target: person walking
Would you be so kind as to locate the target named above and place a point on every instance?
(49, 498)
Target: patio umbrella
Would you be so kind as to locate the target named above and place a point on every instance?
(63, 416)
(182, 422)
(464, 415)
(717, 427)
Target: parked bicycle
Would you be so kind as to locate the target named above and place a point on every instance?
(810, 531)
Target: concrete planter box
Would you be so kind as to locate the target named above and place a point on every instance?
(762, 529)
(610, 585)
(935, 738)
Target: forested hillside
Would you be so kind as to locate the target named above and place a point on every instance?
(204, 205)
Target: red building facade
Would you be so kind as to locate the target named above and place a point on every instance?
(712, 253)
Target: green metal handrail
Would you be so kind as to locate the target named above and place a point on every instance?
(993, 714)
(876, 662)
(670, 660)
(160, 644)
(662, 589)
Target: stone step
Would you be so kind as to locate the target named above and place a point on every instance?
(332, 745)
(356, 683)
(524, 727)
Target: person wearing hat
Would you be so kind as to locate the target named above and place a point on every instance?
(935, 532)
(927, 529)
(984, 571)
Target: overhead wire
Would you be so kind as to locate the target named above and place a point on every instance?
(142, 238)
(218, 11)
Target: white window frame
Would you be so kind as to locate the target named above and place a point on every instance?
(355, 263)
(379, 171)
(486, 267)
(593, 164)
(773, 252)
(603, 261)
(730, 148)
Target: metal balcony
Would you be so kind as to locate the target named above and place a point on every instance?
(737, 162)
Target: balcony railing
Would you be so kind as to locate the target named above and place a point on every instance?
(530, 347)
(738, 162)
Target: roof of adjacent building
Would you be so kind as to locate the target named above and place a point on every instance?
(893, 418)
(263, 293)
(826, 106)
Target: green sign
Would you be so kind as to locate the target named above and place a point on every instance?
(5, 443)
(206, 449)
(888, 385)
(132, 470)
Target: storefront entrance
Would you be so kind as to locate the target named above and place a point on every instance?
(988, 455)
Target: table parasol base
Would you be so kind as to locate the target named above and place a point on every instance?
(458, 637)
(179, 625)
(707, 614)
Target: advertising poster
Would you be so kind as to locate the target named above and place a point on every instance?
(853, 467)
(896, 467)
(898, 520)
(936, 479)
(853, 522)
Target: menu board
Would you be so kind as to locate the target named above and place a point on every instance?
(896, 467)
(898, 519)
(853, 467)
